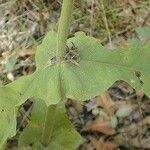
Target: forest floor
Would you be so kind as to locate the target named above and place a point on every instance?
(23, 24)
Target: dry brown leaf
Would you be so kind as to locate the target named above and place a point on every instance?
(104, 100)
(145, 121)
(142, 143)
(101, 125)
(25, 52)
(132, 3)
(101, 145)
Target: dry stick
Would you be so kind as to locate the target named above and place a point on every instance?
(26, 117)
(106, 22)
(146, 18)
(63, 29)
(91, 17)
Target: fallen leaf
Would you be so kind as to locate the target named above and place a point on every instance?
(124, 110)
(132, 3)
(104, 100)
(10, 76)
(25, 52)
(101, 145)
(101, 125)
(145, 121)
(142, 143)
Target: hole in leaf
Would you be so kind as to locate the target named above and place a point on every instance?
(72, 54)
(25, 114)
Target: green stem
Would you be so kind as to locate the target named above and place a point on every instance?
(63, 28)
(49, 124)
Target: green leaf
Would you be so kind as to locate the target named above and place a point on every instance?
(42, 84)
(9, 100)
(97, 70)
(143, 37)
(136, 43)
(11, 61)
(63, 137)
(100, 67)
(11, 97)
(143, 32)
(45, 82)
(46, 51)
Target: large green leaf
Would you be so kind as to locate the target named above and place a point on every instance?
(9, 100)
(43, 84)
(101, 67)
(11, 97)
(98, 69)
(64, 136)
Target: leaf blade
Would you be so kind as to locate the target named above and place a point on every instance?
(63, 134)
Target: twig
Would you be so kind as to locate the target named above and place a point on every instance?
(91, 17)
(106, 22)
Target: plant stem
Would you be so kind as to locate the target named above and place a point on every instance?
(63, 28)
(49, 124)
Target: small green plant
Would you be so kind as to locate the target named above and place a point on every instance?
(78, 68)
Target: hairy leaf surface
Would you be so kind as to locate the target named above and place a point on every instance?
(63, 136)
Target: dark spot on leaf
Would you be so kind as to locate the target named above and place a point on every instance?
(138, 74)
(53, 60)
(2, 110)
(20, 94)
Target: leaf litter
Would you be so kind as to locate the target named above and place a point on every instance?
(132, 120)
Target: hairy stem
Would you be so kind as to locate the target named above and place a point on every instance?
(63, 28)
